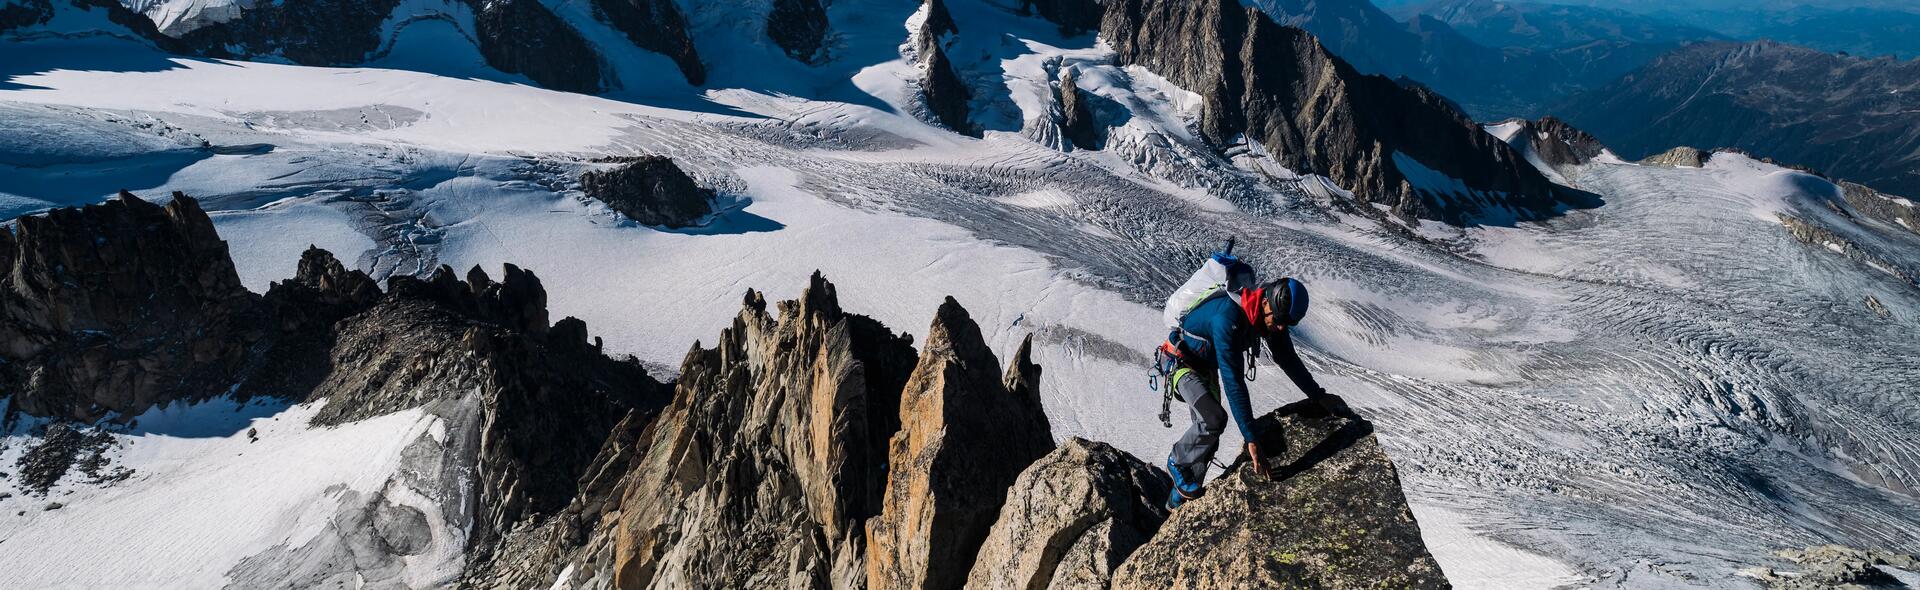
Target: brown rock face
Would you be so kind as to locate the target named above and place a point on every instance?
(964, 437)
(1332, 517)
(650, 190)
(1279, 86)
(769, 460)
(1070, 520)
(119, 306)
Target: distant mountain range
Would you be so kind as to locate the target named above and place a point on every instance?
(1854, 117)
(1554, 26)
(1865, 28)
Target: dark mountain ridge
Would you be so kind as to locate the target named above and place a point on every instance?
(1852, 117)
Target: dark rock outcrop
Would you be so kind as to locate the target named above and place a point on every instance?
(800, 28)
(1559, 144)
(524, 37)
(1076, 117)
(117, 307)
(1071, 519)
(1073, 16)
(657, 26)
(1279, 86)
(946, 95)
(26, 13)
(964, 438)
(308, 32)
(127, 305)
(650, 190)
(1333, 516)
(1852, 117)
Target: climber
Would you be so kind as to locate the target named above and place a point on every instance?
(1213, 345)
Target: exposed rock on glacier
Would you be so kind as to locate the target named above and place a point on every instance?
(964, 437)
(1555, 143)
(119, 306)
(650, 190)
(1071, 519)
(1333, 516)
(1836, 566)
(1076, 117)
(1680, 157)
(1279, 86)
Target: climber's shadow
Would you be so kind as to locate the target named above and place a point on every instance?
(1307, 420)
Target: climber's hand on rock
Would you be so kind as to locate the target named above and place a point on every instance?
(1259, 460)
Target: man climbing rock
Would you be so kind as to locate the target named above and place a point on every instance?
(1211, 353)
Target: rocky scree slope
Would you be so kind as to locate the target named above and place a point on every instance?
(1280, 87)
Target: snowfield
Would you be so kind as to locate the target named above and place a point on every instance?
(1655, 393)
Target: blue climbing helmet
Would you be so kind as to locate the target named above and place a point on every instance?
(1288, 298)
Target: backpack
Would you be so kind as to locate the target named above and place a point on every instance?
(1222, 275)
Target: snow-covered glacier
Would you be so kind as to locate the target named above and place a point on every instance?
(1656, 392)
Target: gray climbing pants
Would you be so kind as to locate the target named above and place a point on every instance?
(1194, 452)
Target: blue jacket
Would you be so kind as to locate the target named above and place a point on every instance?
(1216, 336)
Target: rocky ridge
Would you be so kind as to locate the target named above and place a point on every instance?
(809, 447)
(1280, 87)
(119, 306)
(1850, 116)
(527, 405)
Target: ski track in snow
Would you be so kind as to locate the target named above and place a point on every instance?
(1655, 393)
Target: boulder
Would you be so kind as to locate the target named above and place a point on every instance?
(650, 190)
(1070, 520)
(1331, 516)
(964, 438)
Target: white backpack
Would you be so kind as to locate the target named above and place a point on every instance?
(1220, 275)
